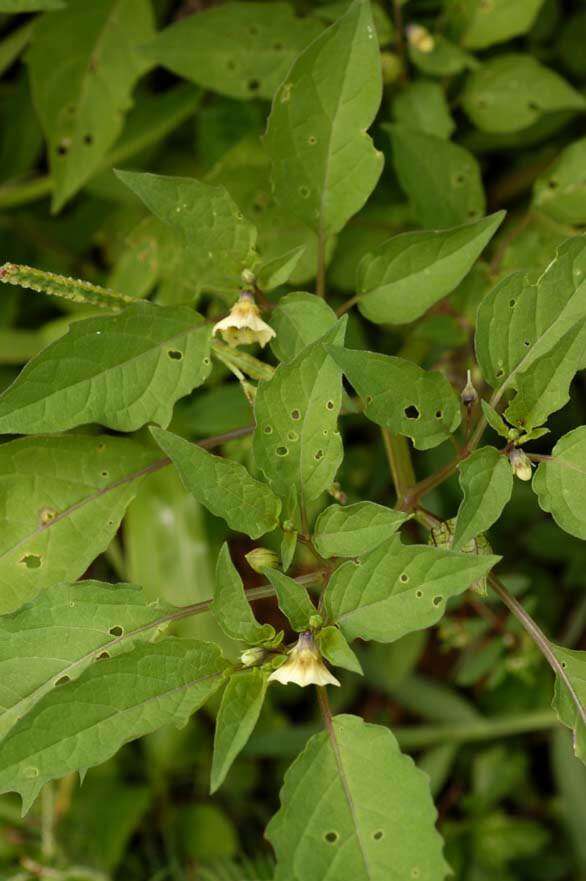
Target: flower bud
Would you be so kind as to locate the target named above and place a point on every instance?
(304, 665)
(419, 38)
(469, 395)
(248, 278)
(260, 559)
(252, 657)
(521, 464)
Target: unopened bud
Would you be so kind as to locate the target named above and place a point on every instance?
(469, 395)
(252, 657)
(248, 278)
(260, 559)
(420, 38)
(521, 464)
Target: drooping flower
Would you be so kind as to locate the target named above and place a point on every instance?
(304, 666)
(521, 464)
(243, 325)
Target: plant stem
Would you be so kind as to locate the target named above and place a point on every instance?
(539, 638)
(400, 41)
(48, 821)
(400, 465)
(321, 266)
(345, 307)
(421, 737)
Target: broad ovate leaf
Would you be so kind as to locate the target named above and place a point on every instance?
(422, 106)
(242, 50)
(223, 486)
(486, 480)
(239, 711)
(120, 370)
(335, 649)
(560, 483)
(218, 241)
(324, 164)
(561, 191)
(483, 24)
(296, 443)
(230, 607)
(62, 502)
(371, 815)
(400, 395)
(409, 273)
(569, 700)
(294, 601)
(441, 179)
(399, 588)
(52, 640)
(298, 320)
(85, 722)
(82, 103)
(511, 92)
(354, 530)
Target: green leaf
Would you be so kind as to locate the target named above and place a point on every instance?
(288, 548)
(83, 723)
(561, 191)
(422, 106)
(243, 50)
(296, 442)
(372, 816)
(121, 371)
(82, 104)
(521, 321)
(486, 479)
(570, 702)
(239, 711)
(230, 607)
(333, 646)
(353, 530)
(299, 320)
(494, 419)
(54, 639)
(445, 59)
(442, 536)
(483, 24)
(294, 601)
(560, 483)
(324, 165)
(400, 395)
(62, 502)
(511, 92)
(223, 486)
(406, 275)
(441, 179)
(399, 588)
(278, 270)
(218, 241)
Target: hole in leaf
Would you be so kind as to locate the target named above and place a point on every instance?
(458, 180)
(330, 405)
(304, 192)
(63, 680)
(331, 837)
(325, 432)
(500, 372)
(292, 435)
(526, 343)
(369, 399)
(418, 594)
(116, 630)
(30, 773)
(512, 303)
(253, 85)
(206, 361)
(378, 834)
(88, 139)
(411, 412)
(437, 601)
(278, 46)
(472, 213)
(312, 140)
(101, 447)
(552, 183)
(295, 414)
(415, 872)
(63, 147)
(31, 561)
(268, 429)
(175, 354)
(103, 656)
(439, 414)
(105, 473)
(47, 515)
(319, 454)
(282, 451)
(403, 578)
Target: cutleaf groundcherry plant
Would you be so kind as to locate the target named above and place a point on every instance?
(261, 401)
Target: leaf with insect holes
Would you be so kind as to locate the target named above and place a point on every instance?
(82, 103)
(441, 179)
(511, 92)
(52, 640)
(239, 711)
(230, 607)
(324, 164)
(570, 706)
(119, 370)
(83, 723)
(218, 241)
(521, 322)
(560, 483)
(242, 50)
(296, 442)
(372, 817)
(62, 502)
(299, 320)
(399, 588)
(353, 530)
(561, 191)
(223, 486)
(294, 601)
(486, 480)
(409, 273)
(400, 395)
